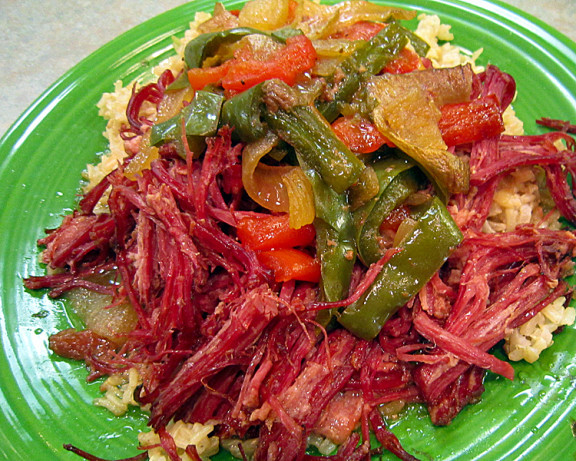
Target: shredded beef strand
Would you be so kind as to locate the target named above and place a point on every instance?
(459, 347)
(560, 125)
(88, 457)
(561, 191)
(366, 282)
(247, 321)
(192, 453)
(168, 444)
(152, 93)
(64, 281)
(99, 353)
(387, 438)
(467, 389)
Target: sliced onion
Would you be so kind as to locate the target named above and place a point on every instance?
(95, 310)
(351, 12)
(320, 21)
(300, 197)
(277, 188)
(142, 160)
(415, 97)
(264, 14)
(172, 103)
(336, 48)
(405, 228)
(263, 183)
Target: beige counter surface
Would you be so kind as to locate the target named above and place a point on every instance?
(43, 39)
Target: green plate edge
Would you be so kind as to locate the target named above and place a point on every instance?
(46, 402)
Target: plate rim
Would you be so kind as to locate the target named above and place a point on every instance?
(11, 139)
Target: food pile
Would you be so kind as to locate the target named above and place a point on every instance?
(311, 224)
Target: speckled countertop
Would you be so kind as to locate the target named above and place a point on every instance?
(43, 39)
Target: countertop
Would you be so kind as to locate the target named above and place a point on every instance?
(41, 40)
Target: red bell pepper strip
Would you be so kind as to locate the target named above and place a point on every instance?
(244, 71)
(363, 30)
(395, 218)
(359, 134)
(274, 240)
(471, 121)
(296, 57)
(200, 77)
(267, 232)
(291, 264)
(406, 61)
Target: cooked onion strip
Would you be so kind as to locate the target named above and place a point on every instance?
(277, 188)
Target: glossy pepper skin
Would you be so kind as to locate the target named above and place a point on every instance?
(207, 44)
(334, 237)
(200, 118)
(397, 179)
(268, 232)
(365, 62)
(304, 128)
(424, 251)
(244, 113)
(198, 49)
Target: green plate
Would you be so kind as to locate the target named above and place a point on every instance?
(45, 401)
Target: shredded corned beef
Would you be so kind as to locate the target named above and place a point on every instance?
(218, 340)
(89, 457)
(152, 93)
(85, 345)
(560, 125)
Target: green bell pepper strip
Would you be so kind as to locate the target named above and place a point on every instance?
(199, 48)
(401, 187)
(420, 46)
(424, 251)
(285, 33)
(386, 169)
(301, 126)
(201, 118)
(398, 179)
(368, 60)
(180, 82)
(244, 113)
(334, 236)
(304, 128)
(337, 257)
